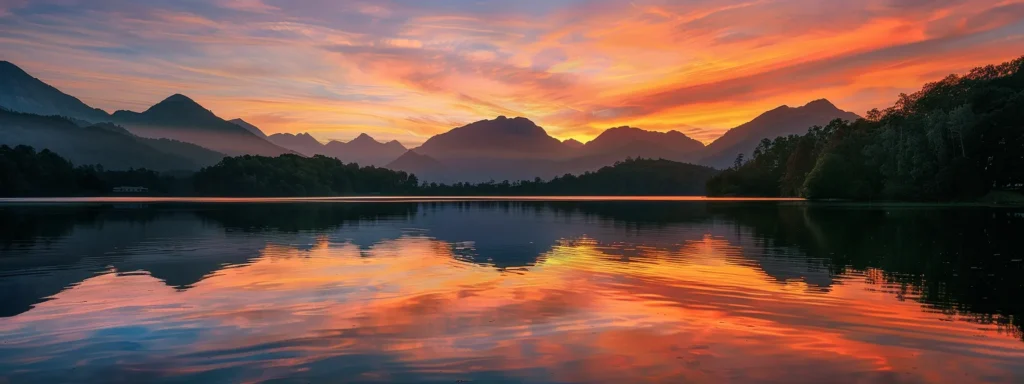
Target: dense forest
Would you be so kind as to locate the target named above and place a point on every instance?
(25, 172)
(955, 140)
(294, 175)
(635, 177)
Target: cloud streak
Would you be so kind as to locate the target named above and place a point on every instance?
(408, 69)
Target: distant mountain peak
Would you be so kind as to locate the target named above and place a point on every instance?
(364, 139)
(181, 109)
(22, 92)
(501, 137)
(7, 67)
(624, 136)
(504, 125)
(572, 143)
(821, 104)
(249, 127)
(781, 121)
(179, 98)
(395, 144)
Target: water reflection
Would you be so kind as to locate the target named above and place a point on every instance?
(506, 291)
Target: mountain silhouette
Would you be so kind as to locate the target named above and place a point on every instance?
(422, 166)
(516, 138)
(635, 142)
(518, 149)
(20, 92)
(248, 127)
(572, 143)
(302, 143)
(365, 150)
(181, 118)
(781, 121)
(105, 144)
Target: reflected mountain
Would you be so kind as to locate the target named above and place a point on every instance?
(929, 254)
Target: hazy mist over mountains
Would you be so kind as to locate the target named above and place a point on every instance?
(180, 134)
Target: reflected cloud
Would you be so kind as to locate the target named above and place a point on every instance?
(503, 291)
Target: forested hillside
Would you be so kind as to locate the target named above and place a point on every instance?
(638, 177)
(956, 139)
(294, 175)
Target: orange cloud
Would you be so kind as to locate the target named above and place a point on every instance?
(407, 70)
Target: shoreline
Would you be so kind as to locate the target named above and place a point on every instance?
(11, 201)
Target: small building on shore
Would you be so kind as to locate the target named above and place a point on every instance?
(130, 189)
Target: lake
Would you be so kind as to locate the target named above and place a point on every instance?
(134, 290)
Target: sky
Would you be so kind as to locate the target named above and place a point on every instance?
(406, 70)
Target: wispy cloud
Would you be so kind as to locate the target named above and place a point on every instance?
(407, 69)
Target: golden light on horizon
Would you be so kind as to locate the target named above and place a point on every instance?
(407, 71)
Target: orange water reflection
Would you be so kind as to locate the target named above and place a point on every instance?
(408, 308)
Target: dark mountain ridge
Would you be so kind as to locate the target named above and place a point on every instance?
(105, 144)
(248, 127)
(20, 92)
(515, 138)
(518, 149)
(365, 150)
(302, 143)
(781, 121)
(180, 118)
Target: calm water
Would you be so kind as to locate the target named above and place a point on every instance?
(592, 291)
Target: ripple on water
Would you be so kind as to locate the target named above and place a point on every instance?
(598, 292)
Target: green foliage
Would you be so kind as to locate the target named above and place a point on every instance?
(638, 177)
(293, 175)
(956, 139)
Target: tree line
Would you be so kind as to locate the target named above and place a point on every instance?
(631, 177)
(26, 172)
(956, 139)
(294, 175)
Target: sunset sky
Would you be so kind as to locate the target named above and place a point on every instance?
(409, 69)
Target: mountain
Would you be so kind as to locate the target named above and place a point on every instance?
(518, 149)
(634, 142)
(781, 121)
(302, 143)
(572, 143)
(504, 138)
(104, 144)
(423, 166)
(199, 155)
(180, 118)
(20, 92)
(365, 150)
(248, 127)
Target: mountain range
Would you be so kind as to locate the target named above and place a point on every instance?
(182, 134)
(180, 118)
(364, 150)
(104, 143)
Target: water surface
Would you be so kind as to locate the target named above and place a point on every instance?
(506, 291)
